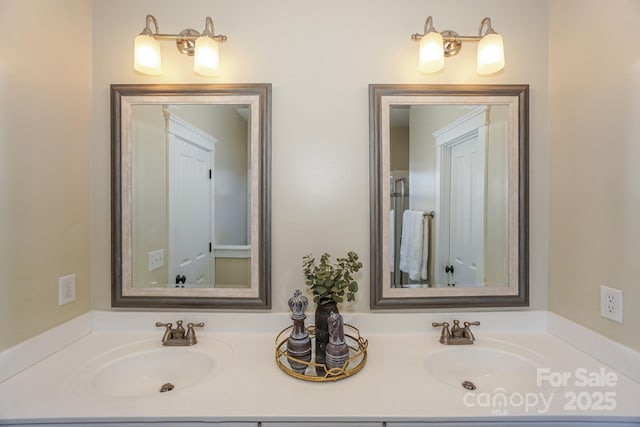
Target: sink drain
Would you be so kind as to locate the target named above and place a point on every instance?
(166, 387)
(468, 385)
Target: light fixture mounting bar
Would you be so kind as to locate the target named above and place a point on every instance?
(417, 36)
(219, 37)
(485, 24)
(186, 40)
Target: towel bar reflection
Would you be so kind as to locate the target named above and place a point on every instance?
(430, 215)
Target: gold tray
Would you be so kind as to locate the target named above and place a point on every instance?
(357, 356)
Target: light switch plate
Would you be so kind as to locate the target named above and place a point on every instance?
(611, 303)
(156, 259)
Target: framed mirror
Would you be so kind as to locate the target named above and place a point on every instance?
(449, 195)
(190, 179)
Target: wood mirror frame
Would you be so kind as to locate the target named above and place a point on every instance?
(258, 98)
(516, 292)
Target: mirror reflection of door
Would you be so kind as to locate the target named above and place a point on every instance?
(191, 194)
(449, 163)
(464, 177)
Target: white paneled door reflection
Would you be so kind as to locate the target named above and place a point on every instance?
(467, 211)
(189, 213)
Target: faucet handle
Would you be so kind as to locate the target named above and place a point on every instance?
(444, 335)
(443, 324)
(190, 326)
(167, 331)
(191, 333)
(467, 329)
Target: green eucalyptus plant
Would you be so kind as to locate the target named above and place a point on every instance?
(330, 282)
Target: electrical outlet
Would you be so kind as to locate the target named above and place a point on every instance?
(611, 303)
(66, 289)
(156, 259)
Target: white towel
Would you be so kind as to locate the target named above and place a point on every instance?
(411, 243)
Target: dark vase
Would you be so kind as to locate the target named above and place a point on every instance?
(323, 310)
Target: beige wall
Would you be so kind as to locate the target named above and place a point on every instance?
(399, 147)
(594, 106)
(424, 121)
(45, 104)
(496, 219)
(320, 179)
(232, 272)
(149, 195)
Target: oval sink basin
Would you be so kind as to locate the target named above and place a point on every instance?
(485, 366)
(150, 369)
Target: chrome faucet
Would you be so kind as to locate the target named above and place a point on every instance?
(457, 334)
(177, 335)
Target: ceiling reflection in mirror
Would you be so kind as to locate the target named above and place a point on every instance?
(449, 173)
(194, 218)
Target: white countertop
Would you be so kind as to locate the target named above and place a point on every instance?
(393, 386)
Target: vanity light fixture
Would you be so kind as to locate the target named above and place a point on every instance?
(434, 46)
(203, 47)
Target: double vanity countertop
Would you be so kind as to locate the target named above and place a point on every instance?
(401, 382)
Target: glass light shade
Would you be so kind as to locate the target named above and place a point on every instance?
(146, 57)
(206, 58)
(490, 54)
(431, 57)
